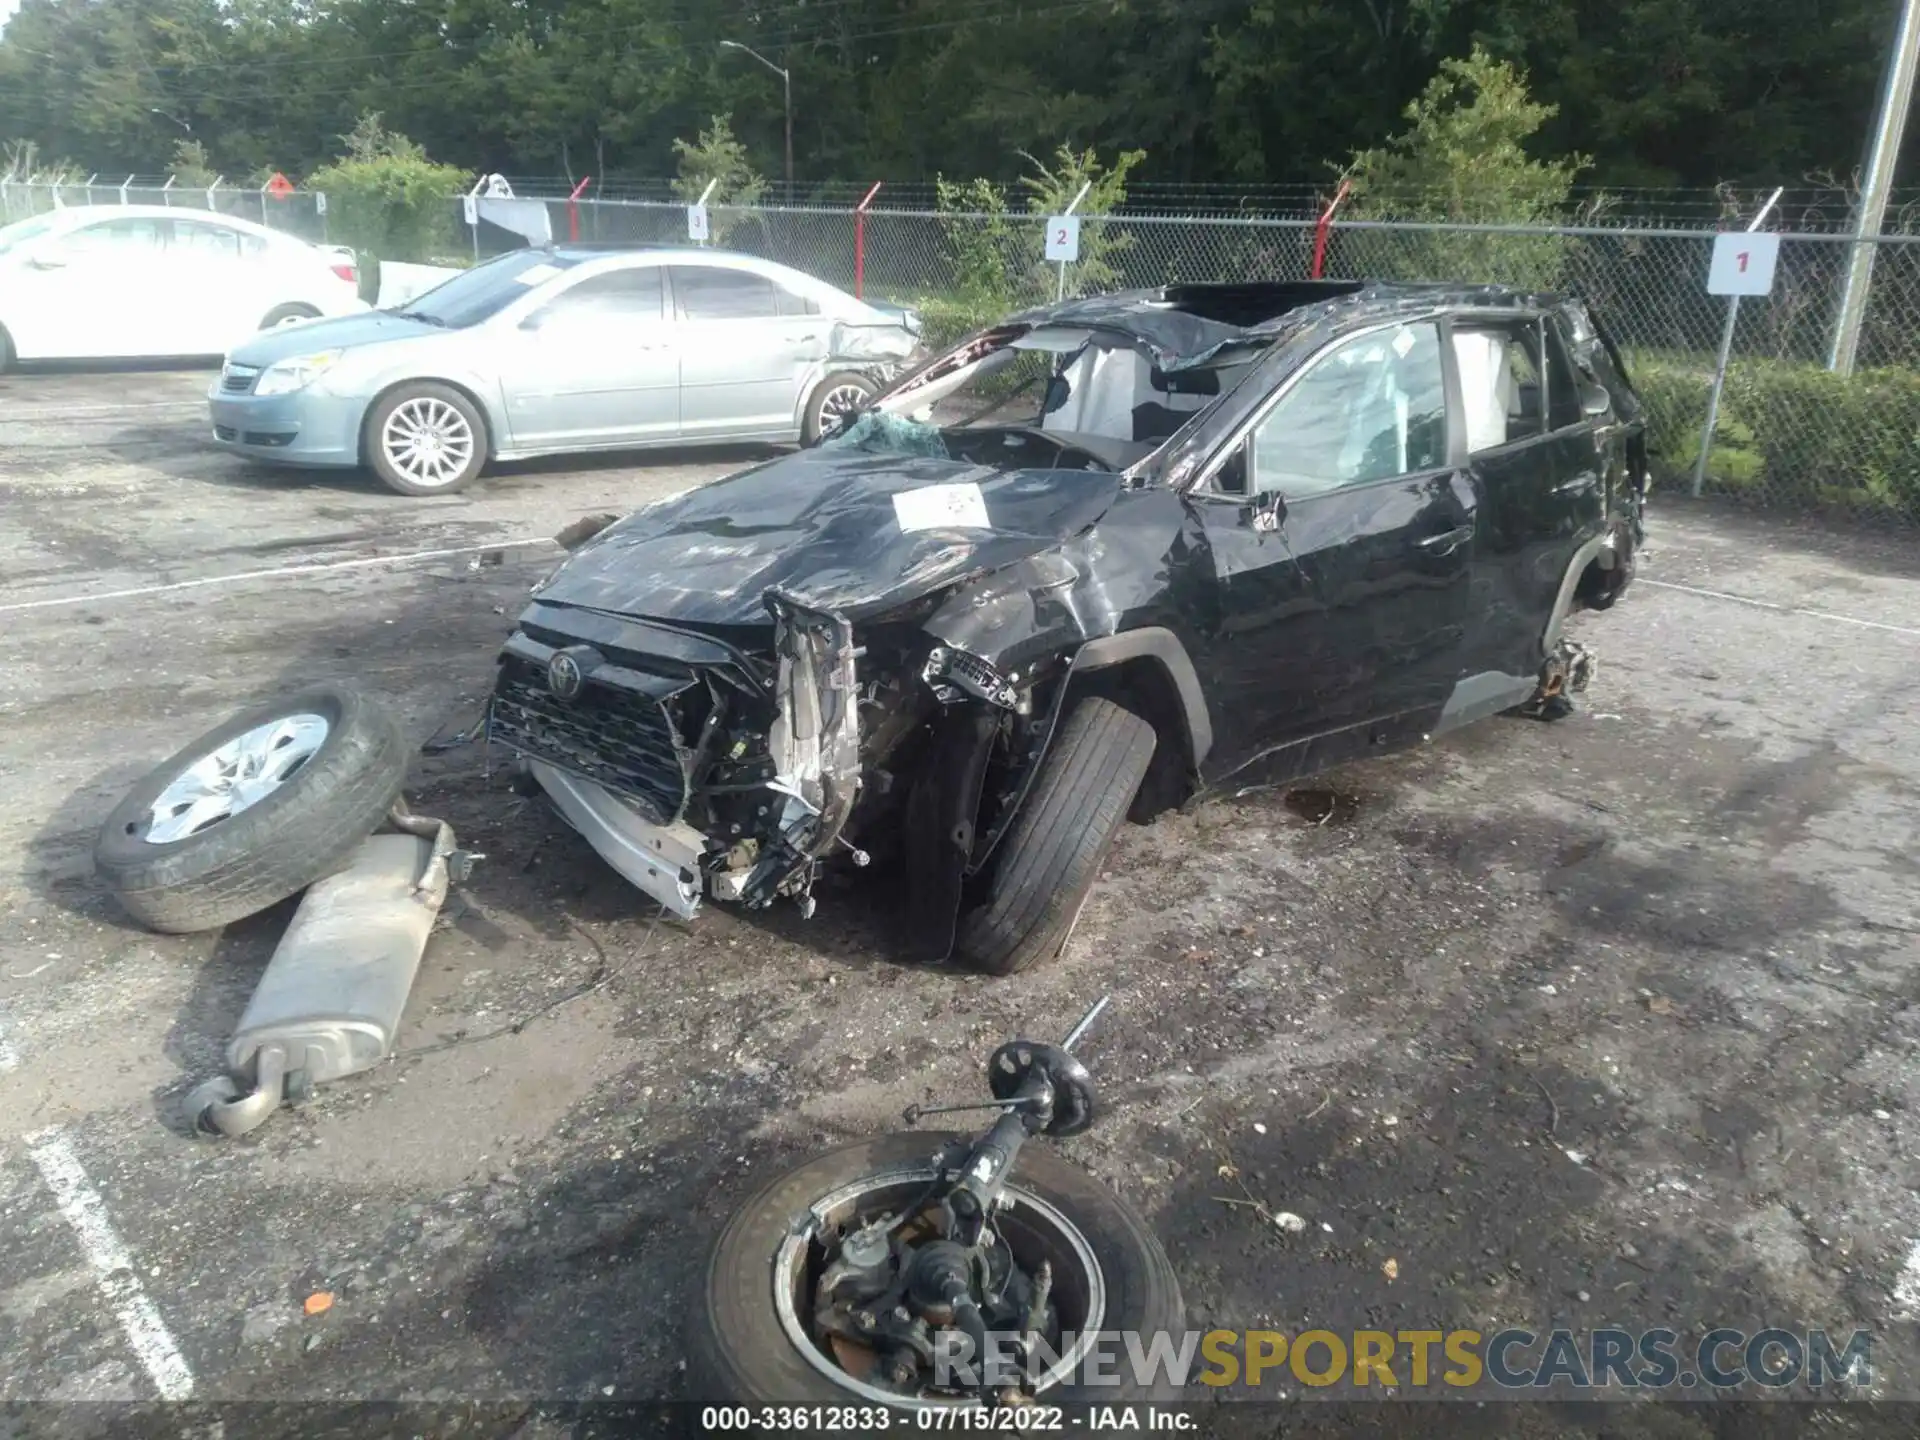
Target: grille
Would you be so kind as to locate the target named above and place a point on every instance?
(225, 432)
(615, 738)
(238, 379)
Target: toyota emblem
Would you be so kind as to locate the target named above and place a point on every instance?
(565, 675)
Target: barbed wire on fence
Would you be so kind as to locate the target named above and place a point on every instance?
(1791, 433)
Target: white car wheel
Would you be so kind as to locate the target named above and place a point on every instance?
(426, 439)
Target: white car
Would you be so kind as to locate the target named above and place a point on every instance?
(125, 281)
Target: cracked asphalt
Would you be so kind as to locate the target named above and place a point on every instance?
(1604, 1022)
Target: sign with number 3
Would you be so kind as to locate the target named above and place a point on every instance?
(1063, 238)
(1743, 263)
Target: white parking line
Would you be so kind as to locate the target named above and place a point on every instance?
(1784, 609)
(83, 1209)
(364, 562)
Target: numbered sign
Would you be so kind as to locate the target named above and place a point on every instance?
(1743, 263)
(471, 208)
(697, 223)
(320, 202)
(1063, 238)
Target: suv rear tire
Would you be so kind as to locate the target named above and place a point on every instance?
(1049, 860)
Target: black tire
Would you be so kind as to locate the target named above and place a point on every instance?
(423, 390)
(301, 832)
(1049, 859)
(816, 421)
(738, 1352)
(281, 314)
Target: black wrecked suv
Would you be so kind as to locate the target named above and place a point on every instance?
(1075, 570)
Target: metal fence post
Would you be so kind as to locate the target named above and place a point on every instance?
(1720, 366)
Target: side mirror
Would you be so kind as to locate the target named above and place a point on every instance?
(1594, 400)
(1263, 513)
(1058, 392)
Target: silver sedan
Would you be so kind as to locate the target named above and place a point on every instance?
(570, 348)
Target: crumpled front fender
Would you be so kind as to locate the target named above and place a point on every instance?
(814, 743)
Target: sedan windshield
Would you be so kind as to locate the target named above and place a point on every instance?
(484, 291)
(12, 237)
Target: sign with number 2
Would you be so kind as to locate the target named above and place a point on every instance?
(1063, 238)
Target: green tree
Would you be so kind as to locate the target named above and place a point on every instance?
(190, 165)
(1463, 158)
(716, 159)
(1052, 188)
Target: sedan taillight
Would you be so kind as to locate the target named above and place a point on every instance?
(347, 272)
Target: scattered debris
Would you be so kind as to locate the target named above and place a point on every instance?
(1391, 1269)
(1258, 1128)
(1291, 1223)
(319, 1302)
(583, 530)
(1553, 1116)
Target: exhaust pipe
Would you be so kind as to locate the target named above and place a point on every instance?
(330, 1000)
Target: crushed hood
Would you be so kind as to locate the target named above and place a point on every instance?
(822, 527)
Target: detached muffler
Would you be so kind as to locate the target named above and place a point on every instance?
(329, 1002)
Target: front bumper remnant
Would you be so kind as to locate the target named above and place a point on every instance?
(662, 861)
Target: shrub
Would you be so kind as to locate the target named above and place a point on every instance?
(387, 200)
(1796, 435)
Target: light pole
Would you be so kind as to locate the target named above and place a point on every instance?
(786, 81)
(1882, 157)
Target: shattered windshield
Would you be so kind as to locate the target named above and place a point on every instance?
(1091, 391)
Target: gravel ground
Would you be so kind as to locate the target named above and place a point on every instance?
(1603, 1022)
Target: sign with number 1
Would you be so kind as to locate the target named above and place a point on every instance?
(1063, 238)
(1743, 263)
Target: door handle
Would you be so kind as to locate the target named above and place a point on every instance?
(1579, 485)
(1447, 541)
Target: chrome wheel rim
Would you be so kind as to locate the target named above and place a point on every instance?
(870, 1196)
(286, 320)
(427, 441)
(235, 777)
(837, 404)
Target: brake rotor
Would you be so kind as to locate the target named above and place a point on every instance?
(1073, 1101)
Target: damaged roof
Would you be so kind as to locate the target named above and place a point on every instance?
(1181, 326)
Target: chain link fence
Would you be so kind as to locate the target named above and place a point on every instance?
(1792, 434)
(300, 212)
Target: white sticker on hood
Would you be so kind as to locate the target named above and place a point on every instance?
(534, 274)
(941, 507)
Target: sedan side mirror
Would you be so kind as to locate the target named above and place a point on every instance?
(1594, 401)
(47, 260)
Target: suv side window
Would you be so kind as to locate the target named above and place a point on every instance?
(1500, 382)
(632, 294)
(709, 292)
(1370, 408)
